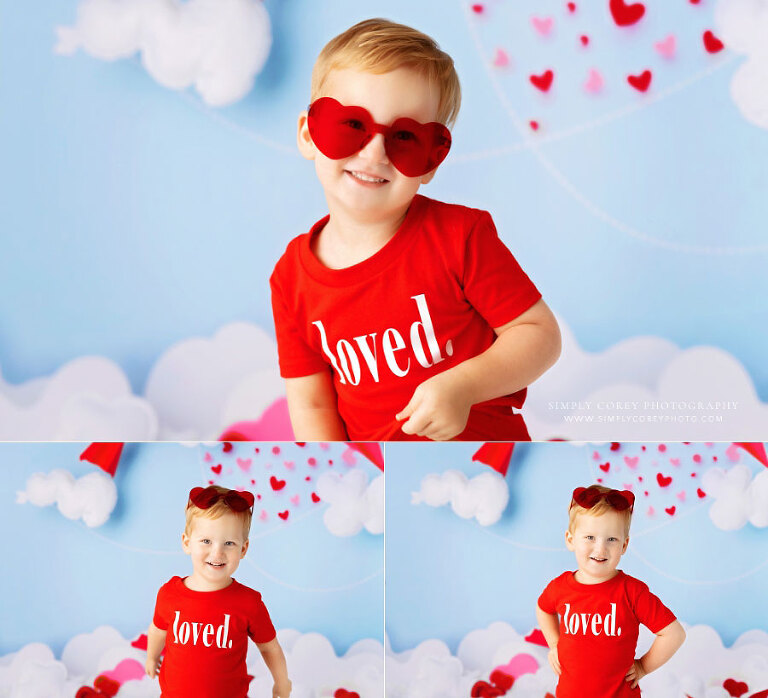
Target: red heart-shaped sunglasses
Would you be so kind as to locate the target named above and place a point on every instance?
(587, 497)
(205, 498)
(412, 147)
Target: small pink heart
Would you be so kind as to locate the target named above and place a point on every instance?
(501, 58)
(651, 511)
(295, 500)
(208, 458)
(733, 453)
(632, 461)
(349, 457)
(263, 516)
(595, 455)
(289, 464)
(543, 25)
(675, 461)
(594, 82)
(681, 495)
(519, 664)
(324, 446)
(666, 47)
(244, 464)
(127, 670)
(627, 487)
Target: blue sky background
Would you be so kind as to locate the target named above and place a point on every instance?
(134, 216)
(447, 576)
(66, 578)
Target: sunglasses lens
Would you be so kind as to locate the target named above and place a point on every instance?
(204, 498)
(336, 130)
(415, 148)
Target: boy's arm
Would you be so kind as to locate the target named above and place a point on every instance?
(550, 626)
(667, 642)
(275, 661)
(313, 410)
(523, 350)
(155, 644)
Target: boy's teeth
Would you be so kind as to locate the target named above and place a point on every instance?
(366, 178)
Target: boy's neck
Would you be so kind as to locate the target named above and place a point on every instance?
(584, 578)
(349, 239)
(196, 584)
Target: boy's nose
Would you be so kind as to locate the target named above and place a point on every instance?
(374, 150)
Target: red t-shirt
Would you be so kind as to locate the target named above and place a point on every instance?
(207, 639)
(426, 301)
(599, 625)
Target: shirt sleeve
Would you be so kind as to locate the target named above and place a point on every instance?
(650, 611)
(548, 600)
(161, 617)
(494, 283)
(260, 628)
(297, 358)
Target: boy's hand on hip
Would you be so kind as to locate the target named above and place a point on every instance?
(151, 666)
(554, 661)
(438, 409)
(635, 673)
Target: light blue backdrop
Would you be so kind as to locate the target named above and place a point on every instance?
(447, 576)
(133, 216)
(63, 578)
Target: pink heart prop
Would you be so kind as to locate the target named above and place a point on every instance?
(263, 516)
(666, 47)
(295, 500)
(594, 81)
(244, 464)
(681, 495)
(543, 25)
(674, 461)
(733, 454)
(127, 670)
(651, 511)
(501, 58)
(289, 464)
(632, 461)
(208, 458)
(519, 664)
(349, 457)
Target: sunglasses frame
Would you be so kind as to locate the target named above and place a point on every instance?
(206, 497)
(588, 497)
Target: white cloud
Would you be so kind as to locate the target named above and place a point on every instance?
(218, 46)
(200, 386)
(743, 26)
(353, 503)
(483, 497)
(673, 389)
(87, 399)
(698, 669)
(91, 497)
(739, 499)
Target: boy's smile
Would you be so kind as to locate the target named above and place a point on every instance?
(598, 542)
(216, 547)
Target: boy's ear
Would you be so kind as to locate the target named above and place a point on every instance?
(626, 543)
(569, 540)
(244, 550)
(303, 139)
(427, 178)
(185, 543)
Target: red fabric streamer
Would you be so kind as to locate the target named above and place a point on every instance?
(104, 455)
(756, 450)
(496, 454)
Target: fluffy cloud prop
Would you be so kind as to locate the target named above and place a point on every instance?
(90, 498)
(698, 669)
(200, 386)
(216, 45)
(88, 399)
(644, 388)
(739, 499)
(483, 497)
(316, 670)
(743, 27)
(353, 503)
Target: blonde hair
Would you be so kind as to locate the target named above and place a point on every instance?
(216, 512)
(379, 46)
(599, 509)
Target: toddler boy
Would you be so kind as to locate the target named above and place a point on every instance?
(592, 647)
(204, 620)
(397, 316)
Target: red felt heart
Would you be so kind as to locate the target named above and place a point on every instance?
(701, 493)
(735, 688)
(86, 692)
(106, 686)
(615, 446)
(284, 515)
(712, 43)
(584, 39)
(536, 637)
(760, 694)
(640, 82)
(502, 680)
(544, 81)
(477, 8)
(663, 480)
(277, 485)
(625, 15)
(226, 447)
(140, 643)
(482, 689)
(344, 693)
(605, 467)
(670, 510)
(216, 469)
(534, 125)
(315, 498)
(571, 7)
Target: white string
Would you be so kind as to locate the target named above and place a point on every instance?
(315, 590)
(569, 187)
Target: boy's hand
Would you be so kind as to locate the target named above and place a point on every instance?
(152, 666)
(635, 673)
(554, 661)
(281, 690)
(439, 408)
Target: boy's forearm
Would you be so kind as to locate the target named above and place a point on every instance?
(667, 642)
(521, 353)
(155, 641)
(550, 627)
(312, 409)
(274, 658)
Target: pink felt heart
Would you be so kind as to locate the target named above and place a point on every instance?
(681, 495)
(127, 670)
(208, 458)
(244, 464)
(666, 47)
(295, 500)
(263, 516)
(631, 461)
(543, 25)
(289, 464)
(519, 664)
(675, 461)
(500, 58)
